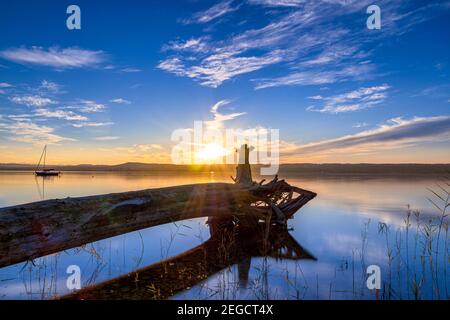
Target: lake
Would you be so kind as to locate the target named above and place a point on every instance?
(353, 223)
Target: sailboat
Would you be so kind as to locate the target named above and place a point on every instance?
(45, 172)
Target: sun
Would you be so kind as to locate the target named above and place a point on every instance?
(211, 153)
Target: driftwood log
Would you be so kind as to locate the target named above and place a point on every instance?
(33, 230)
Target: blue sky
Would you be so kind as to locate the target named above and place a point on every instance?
(115, 90)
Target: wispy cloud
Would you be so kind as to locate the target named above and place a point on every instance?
(106, 138)
(32, 101)
(218, 10)
(304, 78)
(397, 133)
(87, 106)
(191, 45)
(120, 101)
(131, 70)
(298, 40)
(217, 68)
(60, 58)
(29, 132)
(151, 152)
(277, 3)
(220, 118)
(277, 42)
(4, 85)
(362, 98)
(148, 147)
(60, 114)
(360, 125)
(437, 91)
(92, 124)
(141, 148)
(50, 86)
(23, 116)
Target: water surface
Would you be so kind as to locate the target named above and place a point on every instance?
(353, 223)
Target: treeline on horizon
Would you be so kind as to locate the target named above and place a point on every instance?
(300, 169)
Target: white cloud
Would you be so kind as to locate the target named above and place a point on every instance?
(173, 65)
(148, 147)
(88, 106)
(192, 45)
(60, 114)
(334, 54)
(61, 58)
(50, 86)
(135, 86)
(131, 70)
(298, 39)
(220, 118)
(141, 148)
(283, 40)
(120, 101)
(298, 78)
(217, 68)
(32, 101)
(397, 133)
(106, 138)
(304, 78)
(277, 3)
(92, 124)
(362, 98)
(214, 12)
(360, 125)
(5, 85)
(29, 132)
(20, 116)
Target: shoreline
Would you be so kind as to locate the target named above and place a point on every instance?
(291, 170)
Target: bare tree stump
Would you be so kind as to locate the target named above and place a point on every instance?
(243, 170)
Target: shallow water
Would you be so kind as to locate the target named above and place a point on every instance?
(343, 228)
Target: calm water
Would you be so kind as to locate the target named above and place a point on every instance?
(353, 223)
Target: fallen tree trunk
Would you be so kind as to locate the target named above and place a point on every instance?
(33, 230)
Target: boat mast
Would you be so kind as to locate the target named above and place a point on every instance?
(43, 154)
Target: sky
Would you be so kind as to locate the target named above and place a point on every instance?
(115, 90)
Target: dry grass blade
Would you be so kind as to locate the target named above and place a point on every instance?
(436, 194)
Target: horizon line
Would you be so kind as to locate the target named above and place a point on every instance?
(223, 164)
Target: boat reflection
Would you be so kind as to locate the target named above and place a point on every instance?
(40, 184)
(232, 242)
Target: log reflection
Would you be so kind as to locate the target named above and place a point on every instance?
(232, 242)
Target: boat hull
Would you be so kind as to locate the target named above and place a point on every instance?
(47, 174)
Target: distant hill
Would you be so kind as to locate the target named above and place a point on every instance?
(302, 169)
